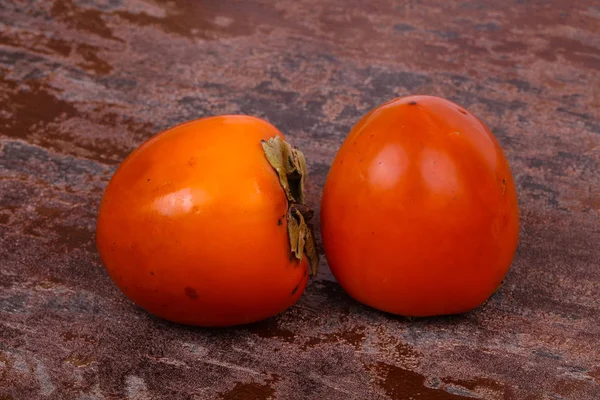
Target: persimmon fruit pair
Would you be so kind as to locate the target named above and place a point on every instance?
(207, 223)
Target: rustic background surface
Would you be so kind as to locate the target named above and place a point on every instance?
(84, 81)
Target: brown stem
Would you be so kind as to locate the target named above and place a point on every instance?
(290, 165)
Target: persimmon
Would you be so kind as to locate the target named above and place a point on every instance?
(206, 223)
(419, 213)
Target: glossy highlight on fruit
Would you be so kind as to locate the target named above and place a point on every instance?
(205, 223)
(419, 214)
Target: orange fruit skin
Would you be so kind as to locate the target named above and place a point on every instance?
(419, 214)
(192, 226)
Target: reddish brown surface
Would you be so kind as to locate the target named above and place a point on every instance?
(84, 81)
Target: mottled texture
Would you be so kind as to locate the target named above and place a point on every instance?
(82, 82)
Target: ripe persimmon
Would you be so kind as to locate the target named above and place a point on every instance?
(205, 223)
(419, 214)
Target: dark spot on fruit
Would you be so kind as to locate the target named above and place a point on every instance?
(151, 273)
(279, 222)
(462, 111)
(295, 289)
(191, 293)
(412, 103)
(148, 179)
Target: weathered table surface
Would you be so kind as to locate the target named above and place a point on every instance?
(84, 81)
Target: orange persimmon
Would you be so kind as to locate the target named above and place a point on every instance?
(204, 224)
(419, 214)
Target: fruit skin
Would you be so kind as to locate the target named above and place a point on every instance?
(192, 226)
(419, 215)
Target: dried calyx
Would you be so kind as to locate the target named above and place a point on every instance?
(290, 165)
